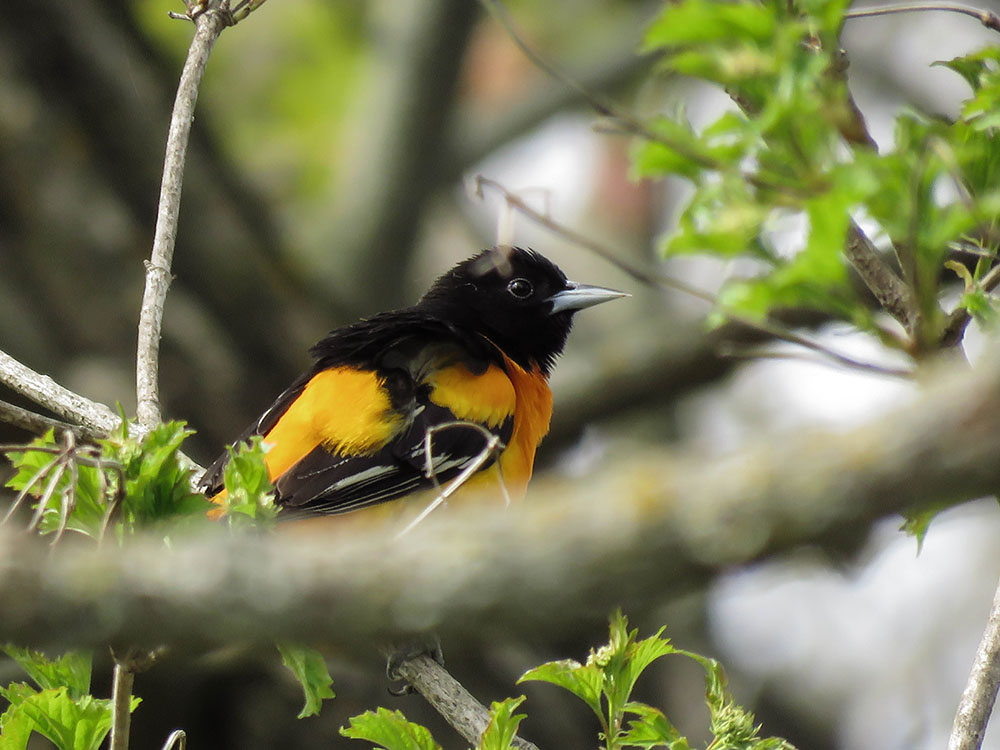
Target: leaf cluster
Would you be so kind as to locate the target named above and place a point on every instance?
(59, 706)
(793, 150)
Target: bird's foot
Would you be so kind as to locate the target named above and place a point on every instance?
(425, 645)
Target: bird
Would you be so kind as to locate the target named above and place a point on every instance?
(453, 389)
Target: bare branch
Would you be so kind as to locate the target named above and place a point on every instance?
(450, 699)
(987, 18)
(891, 292)
(121, 699)
(980, 693)
(209, 24)
(39, 424)
(44, 391)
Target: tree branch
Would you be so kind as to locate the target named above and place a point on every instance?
(980, 694)
(38, 424)
(121, 698)
(209, 24)
(44, 391)
(632, 534)
(450, 699)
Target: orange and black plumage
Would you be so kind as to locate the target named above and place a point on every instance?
(476, 350)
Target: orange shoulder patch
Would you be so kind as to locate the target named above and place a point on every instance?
(488, 398)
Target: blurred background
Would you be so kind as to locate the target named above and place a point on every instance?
(328, 178)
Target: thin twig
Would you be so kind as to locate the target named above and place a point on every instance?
(645, 275)
(854, 364)
(42, 471)
(50, 488)
(987, 18)
(209, 24)
(39, 424)
(628, 122)
(493, 446)
(178, 739)
(771, 328)
(980, 693)
(450, 699)
(43, 390)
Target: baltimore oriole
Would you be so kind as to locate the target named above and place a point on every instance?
(462, 371)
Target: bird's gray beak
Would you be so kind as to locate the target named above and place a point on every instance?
(578, 296)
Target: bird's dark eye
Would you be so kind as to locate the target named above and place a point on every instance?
(520, 288)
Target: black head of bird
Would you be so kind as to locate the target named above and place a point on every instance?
(518, 299)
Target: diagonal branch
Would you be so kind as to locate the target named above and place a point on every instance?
(44, 391)
(980, 694)
(209, 24)
(449, 698)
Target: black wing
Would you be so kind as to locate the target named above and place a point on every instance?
(325, 483)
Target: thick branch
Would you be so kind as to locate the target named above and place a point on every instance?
(450, 699)
(632, 534)
(44, 391)
(209, 25)
(980, 694)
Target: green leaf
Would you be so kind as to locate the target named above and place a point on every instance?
(692, 22)
(917, 521)
(583, 680)
(500, 732)
(625, 659)
(249, 492)
(389, 730)
(71, 670)
(731, 724)
(158, 484)
(309, 668)
(80, 724)
(651, 729)
(15, 723)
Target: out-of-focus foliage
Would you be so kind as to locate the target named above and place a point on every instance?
(796, 146)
